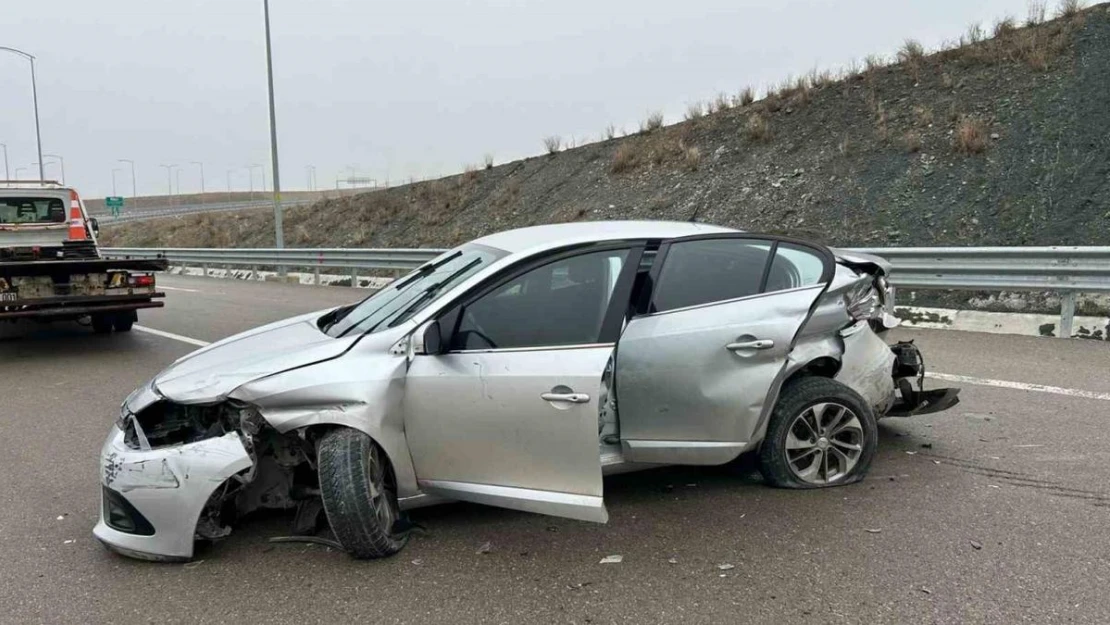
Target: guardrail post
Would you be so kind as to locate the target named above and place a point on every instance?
(204, 268)
(316, 275)
(1067, 313)
(354, 278)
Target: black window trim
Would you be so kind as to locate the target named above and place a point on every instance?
(614, 316)
(646, 305)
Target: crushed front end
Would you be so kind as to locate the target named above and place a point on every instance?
(173, 474)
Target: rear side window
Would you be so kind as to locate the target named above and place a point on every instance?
(794, 266)
(31, 209)
(710, 270)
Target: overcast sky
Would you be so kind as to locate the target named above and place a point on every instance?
(399, 89)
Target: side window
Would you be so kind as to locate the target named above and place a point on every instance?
(710, 270)
(561, 303)
(794, 266)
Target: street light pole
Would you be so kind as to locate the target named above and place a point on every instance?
(134, 192)
(61, 163)
(201, 165)
(7, 174)
(250, 174)
(279, 238)
(35, 99)
(229, 185)
(169, 181)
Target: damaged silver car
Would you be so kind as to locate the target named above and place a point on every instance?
(516, 371)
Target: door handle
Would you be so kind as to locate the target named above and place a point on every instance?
(756, 344)
(572, 398)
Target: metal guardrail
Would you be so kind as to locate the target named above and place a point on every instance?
(1069, 270)
(106, 218)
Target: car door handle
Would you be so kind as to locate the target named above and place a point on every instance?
(573, 398)
(756, 344)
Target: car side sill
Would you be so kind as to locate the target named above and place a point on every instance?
(682, 452)
(571, 506)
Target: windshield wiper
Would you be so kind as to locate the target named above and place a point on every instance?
(426, 269)
(431, 291)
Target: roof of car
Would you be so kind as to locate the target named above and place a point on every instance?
(557, 235)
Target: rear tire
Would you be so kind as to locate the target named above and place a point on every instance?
(101, 323)
(123, 322)
(821, 434)
(359, 494)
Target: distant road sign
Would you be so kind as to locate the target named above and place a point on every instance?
(113, 202)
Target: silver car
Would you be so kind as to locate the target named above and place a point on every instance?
(516, 371)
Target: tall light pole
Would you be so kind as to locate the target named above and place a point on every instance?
(61, 163)
(250, 173)
(279, 238)
(114, 180)
(229, 185)
(310, 171)
(7, 174)
(201, 165)
(178, 178)
(169, 180)
(134, 192)
(35, 98)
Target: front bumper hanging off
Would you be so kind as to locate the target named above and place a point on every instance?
(152, 500)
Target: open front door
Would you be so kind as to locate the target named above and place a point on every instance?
(508, 416)
(696, 366)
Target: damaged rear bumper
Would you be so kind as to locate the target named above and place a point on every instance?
(164, 492)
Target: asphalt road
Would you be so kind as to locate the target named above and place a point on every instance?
(994, 512)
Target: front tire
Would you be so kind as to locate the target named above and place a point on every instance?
(821, 434)
(359, 494)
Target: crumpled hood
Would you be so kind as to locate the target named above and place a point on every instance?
(211, 373)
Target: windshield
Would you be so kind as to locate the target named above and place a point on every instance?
(399, 301)
(31, 209)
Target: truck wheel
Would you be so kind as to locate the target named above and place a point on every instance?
(359, 494)
(123, 322)
(101, 324)
(821, 434)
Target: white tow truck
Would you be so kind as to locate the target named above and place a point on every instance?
(51, 268)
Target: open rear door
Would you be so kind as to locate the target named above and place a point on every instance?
(697, 365)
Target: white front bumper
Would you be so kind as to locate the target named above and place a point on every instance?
(169, 487)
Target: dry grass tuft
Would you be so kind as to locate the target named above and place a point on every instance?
(691, 157)
(653, 122)
(694, 110)
(553, 144)
(720, 103)
(610, 131)
(974, 35)
(872, 63)
(746, 97)
(1004, 27)
(970, 136)
(624, 158)
(1037, 12)
(487, 160)
(758, 129)
(946, 80)
(882, 130)
(912, 55)
(844, 146)
(1069, 8)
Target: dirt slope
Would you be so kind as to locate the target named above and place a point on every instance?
(1001, 142)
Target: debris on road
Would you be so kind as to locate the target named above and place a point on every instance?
(877, 530)
(672, 561)
(925, 590)
(976, 545)
(484, 549)
(69, 542)
(194, 564)
(726, 567)
(611, 560)
(418, 562)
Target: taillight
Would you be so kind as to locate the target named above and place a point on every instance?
(141, 280)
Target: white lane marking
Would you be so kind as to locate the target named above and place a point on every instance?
(947, 377)
(171, 335)
(177, 288)
(1020, 386)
